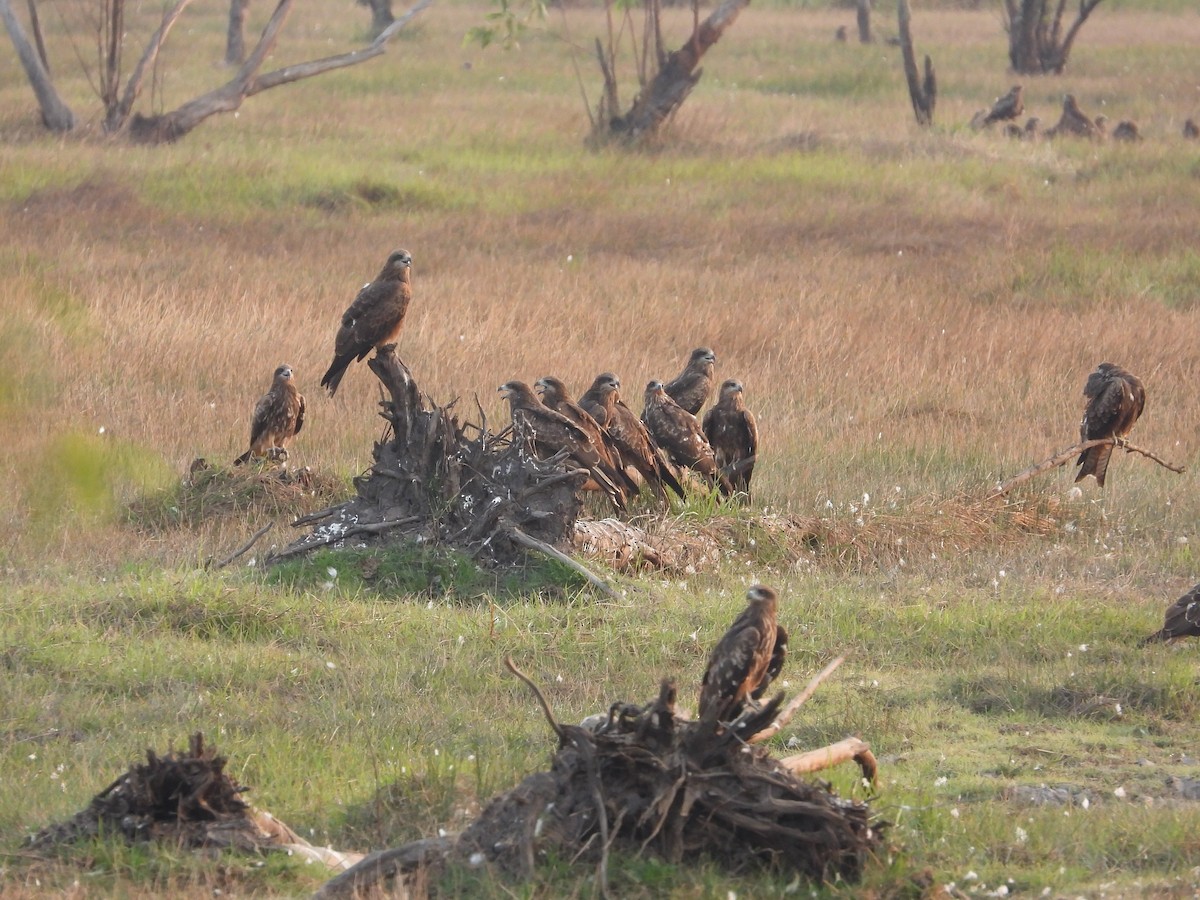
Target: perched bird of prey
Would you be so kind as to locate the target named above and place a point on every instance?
(1115, 399)
(636, 449)
(1191, 130)
(1126, 131)
(733, 435)
(278, 417)
(1007, 107)
(1074, 121)
(739, 663)
(555, 396)
(694, 384)
(548, 432)
(1033, 127)
(679, 434)
(374, 319)
(1182, 619)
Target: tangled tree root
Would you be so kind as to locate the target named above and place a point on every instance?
(644, 779)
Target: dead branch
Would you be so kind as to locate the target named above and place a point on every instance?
(799, 700)
(541, 699)
(383, 865)
(245, 547)
(850, 748)
(1065, 456)
(531, 543)
(923, 96)
(337, 534)
(118, 113)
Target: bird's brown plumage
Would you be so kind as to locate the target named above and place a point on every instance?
(732, 433)
(374, 319)
(1191, 130)
(1074, 121)
(547, 432)
(739, 663)
(1115, 400)
(1127, 130)
(635, 447)
(1007, 107)
(693, 386)
(679, 434)
(1181, 620)
(278, 417)
(556, 396)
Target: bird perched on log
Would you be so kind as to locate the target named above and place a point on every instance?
(1074, 121)
(692, 387)
(547, 432)
(374, 319)
(555, 396)
(740, 665)
(636, 448)
(679, 434)
(732, 433)
(1181, 620)
(278, 417)
(1007, 107)
(1115, 400)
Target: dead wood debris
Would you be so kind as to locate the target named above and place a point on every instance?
(641, 779)
(185, 799)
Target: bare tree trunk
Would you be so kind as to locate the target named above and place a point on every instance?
(381, 15)
(864, 21)
(56, 115)
(118, 114)
(659, 99)
(1036, 41)
(235, 41)
(923, 95)
(36, 24)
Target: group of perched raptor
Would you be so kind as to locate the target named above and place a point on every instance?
(1073, 121)
(598, 433)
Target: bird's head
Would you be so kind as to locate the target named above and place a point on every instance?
(398, 263)
(760, 593)
(654, 388)
(731, 387)
(702, 355)
(515, 390)
(284, 372)
(551, 389)
(606, 383)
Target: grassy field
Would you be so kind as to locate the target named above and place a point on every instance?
(913, 314)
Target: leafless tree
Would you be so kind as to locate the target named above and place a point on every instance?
(863, 15)
(922, 93)
(118, 98)
(1037, 42)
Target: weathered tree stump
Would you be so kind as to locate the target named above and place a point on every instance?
(457, 483)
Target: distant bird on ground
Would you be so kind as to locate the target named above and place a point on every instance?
(679, 434)
(555, 396)
(692, 387)
(1191, 130)
(1101, 123)
(1182, 619)
(1007, 107)
(374, 319)
(1014, 131)
(1115, 399)
(1074, 121)
(1126, 131)
(637, 449)
(841, 34)
(732, 433)
(739, 664)
(1032, 127)
(278, 417)
(547, 432)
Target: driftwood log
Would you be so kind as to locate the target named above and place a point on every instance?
(1062, 457)
(436, 477)
(641, 778)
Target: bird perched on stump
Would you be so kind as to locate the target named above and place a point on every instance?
(693, 386)
(679, 434)
(732, 432)
(548, 432)
(1115, 400)
(555, 396)
(374, 319)
(636, 448)
(278, 417)
(1182, 619)
(740, 665)
(1007, 107)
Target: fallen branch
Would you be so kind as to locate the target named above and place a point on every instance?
(785, 715)
(334, 536)
(843, 751)
(240, 551)
(532, 543)
(512, 667)
(358, 880)
(1064, 456)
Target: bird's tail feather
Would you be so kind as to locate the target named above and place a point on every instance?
(337, 369)
(1094, 462)
(1160, 635)
(244, 458)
